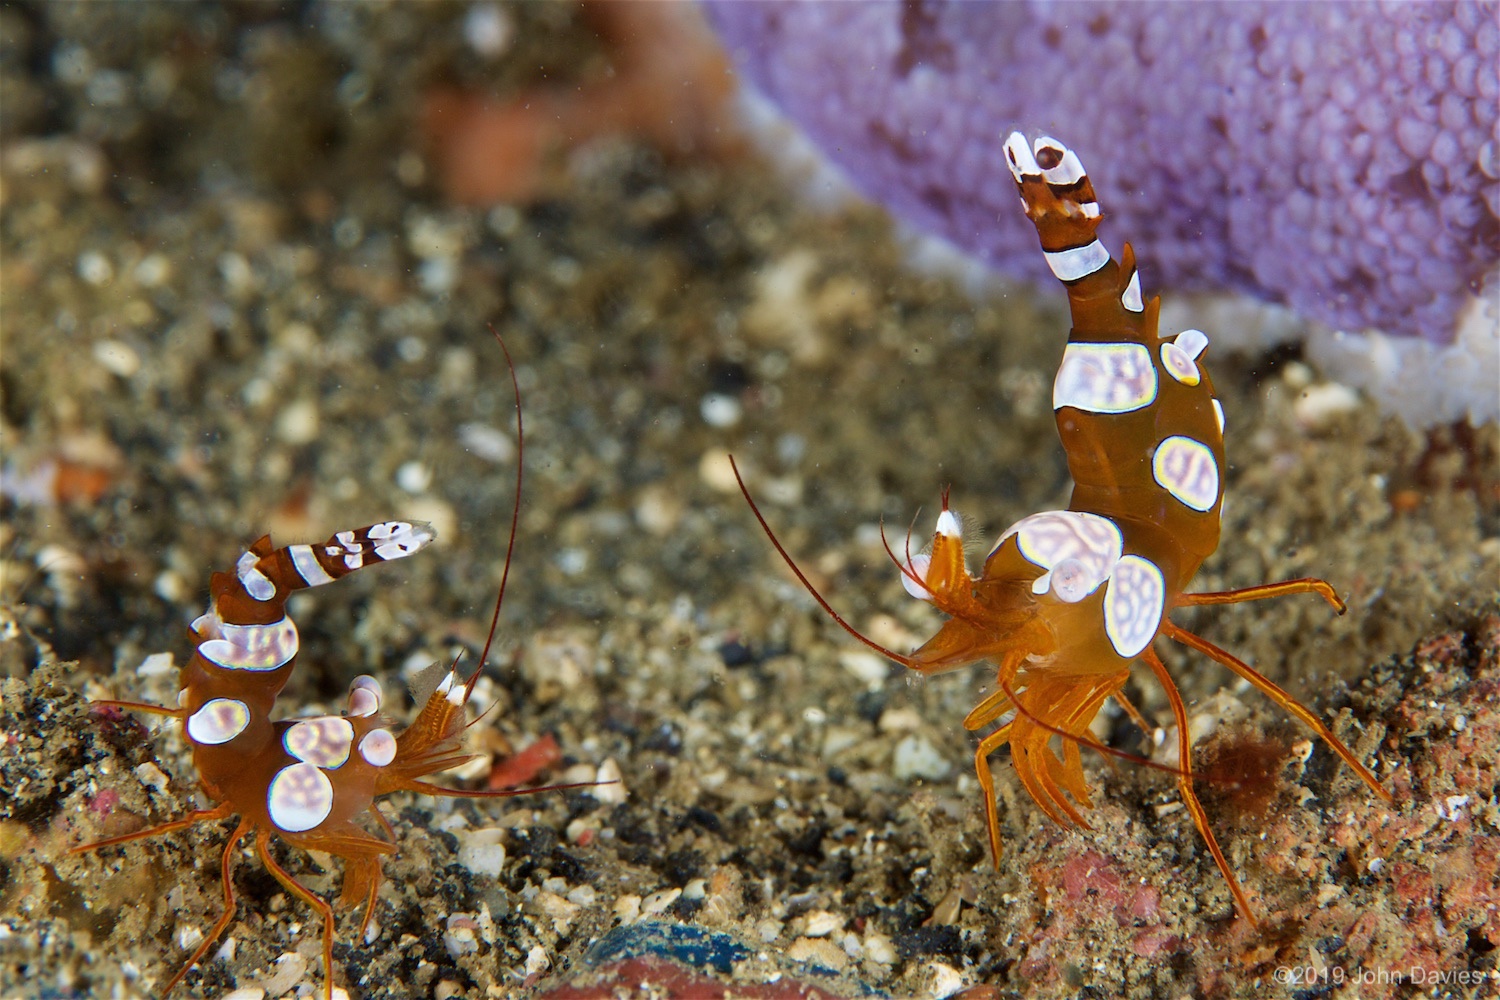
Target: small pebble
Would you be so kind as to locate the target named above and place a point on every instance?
(658, 902)
(151, 776)
(171, 587)
(297, 423)
(246, 993)
(716, 472)
(462, 935)
(720, 410)
(95, 268)
(489, 29)
(945, 981)
(117, 357)
(486, 442)
(1320, 404)
(818, 951)
(481, 851)
(899, 720)
(628, 908)
(821, 923)
(561, 912)
(867, 667)
(153, 271)
(658, 510)
(413, 477)
(613, 794)
(916, 757)
(155, 665)
(537, 961)
(289, 970)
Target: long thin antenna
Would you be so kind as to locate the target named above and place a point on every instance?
(515, 511)
(905, 661)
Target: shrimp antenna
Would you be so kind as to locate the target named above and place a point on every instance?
(905, 661)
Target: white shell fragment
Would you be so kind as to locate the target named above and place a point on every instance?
(218, 721)
(323, 741)
(1105, 378)
(300, 797)
(1133, 605)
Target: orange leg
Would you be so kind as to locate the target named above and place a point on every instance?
(1134, 714)
(987, 711)
(390, 831)
(225, 917)
(262, 842)
(364, 925)
(987, 746)
(1279, 696)
(1185, 782)
(197, 816)
(1303, 585)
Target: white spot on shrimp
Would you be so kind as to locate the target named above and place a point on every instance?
(307, 565)
(218, 721)
(398, 539)
(1192, 342)
(1179, 364)
(1069, 168)
(378, 747)
(1133, 605)
(365, 696)
(1018, 156)
(1131, 297)
(1091, 543)
(324, 741)
(1077, 262)
(1105, 378)
(256, 583)
(249, 647)
(1186, 469)
(299, 798)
